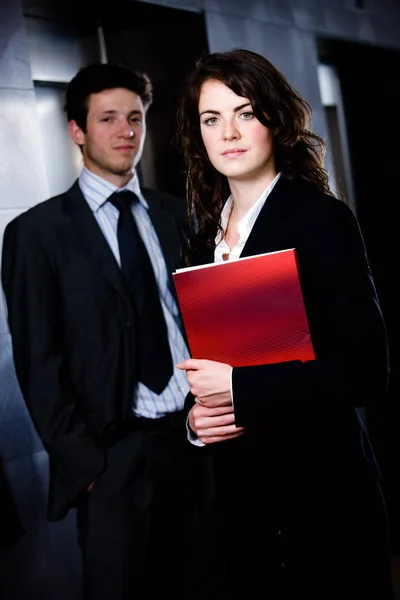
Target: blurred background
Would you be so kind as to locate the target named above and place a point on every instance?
(343, 56)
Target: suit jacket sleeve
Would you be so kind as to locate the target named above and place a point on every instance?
(34, 315)
(351, 367)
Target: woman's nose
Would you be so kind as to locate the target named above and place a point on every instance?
(230, 132)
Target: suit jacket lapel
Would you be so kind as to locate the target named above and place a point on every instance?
(93, 240)
(166, 229)
(267, 233)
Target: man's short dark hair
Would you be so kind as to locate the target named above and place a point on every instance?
(96, 78)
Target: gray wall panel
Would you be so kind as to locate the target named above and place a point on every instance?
(3, 318)
(378, 23)
(17, 435)
(192, 5)
(22, 175)
(14, 62)
(57, 51)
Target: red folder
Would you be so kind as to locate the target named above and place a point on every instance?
(248, 311)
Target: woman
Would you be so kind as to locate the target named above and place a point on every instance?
(301, 510)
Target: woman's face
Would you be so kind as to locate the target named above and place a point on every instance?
(237, 144)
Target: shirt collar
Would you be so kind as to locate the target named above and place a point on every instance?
(97, 190)
(246, 223)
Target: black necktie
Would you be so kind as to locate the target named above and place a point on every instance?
(153, 355)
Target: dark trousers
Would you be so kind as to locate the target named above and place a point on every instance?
(316, 547)
(146, 529)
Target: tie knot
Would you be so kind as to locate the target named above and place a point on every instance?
(123, 200)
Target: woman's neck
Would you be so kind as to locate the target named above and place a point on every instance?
(246, 193)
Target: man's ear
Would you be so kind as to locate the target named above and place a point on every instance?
(76, 133)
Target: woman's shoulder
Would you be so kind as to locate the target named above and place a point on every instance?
(319, 201)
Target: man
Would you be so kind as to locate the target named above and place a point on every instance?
(96, 336)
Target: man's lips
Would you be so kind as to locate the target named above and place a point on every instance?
(125, 148)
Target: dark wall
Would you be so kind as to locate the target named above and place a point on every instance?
(164, 43)
(369, 80)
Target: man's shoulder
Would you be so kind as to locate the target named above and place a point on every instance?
(42, 212)
(164, 199)
(46, 207)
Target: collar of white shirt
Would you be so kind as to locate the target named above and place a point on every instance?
(245, 225)
(97, 190)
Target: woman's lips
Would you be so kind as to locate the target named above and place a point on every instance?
(233, 153)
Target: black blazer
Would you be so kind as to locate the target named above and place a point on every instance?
(72, 326)
(304, 427)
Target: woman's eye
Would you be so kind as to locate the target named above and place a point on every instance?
(210, 121)
(247, 115)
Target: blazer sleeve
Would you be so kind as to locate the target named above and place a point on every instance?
(34, 317)
(347, 327)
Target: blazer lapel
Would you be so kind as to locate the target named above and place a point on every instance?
(93, 240)
(267, 234)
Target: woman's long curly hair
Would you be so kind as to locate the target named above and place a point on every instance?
(299, 153)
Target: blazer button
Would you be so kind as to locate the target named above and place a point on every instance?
(128, 324)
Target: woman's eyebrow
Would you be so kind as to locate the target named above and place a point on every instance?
(216, 112)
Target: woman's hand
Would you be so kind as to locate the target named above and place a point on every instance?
(210, 381)
(213, 425)
(212, 418)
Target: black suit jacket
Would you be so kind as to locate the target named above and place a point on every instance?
(304, 432)
(72, 326)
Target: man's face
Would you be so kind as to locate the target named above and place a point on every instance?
(115, 134)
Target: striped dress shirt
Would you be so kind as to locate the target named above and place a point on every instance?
(96, 191)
